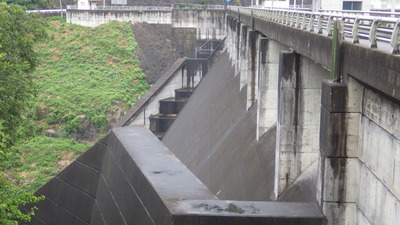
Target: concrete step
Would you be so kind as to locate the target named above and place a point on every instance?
(161, 123)
(171, 105)
(183, 93)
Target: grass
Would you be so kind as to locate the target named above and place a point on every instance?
(40, 159)
(84, 73)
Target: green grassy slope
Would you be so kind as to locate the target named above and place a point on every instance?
(86, 71)
(83, 73)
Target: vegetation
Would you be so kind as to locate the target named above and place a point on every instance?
(202, 4)
(18, 32)
(33, 4)
(83, 75)
(206, 2)
(40, 159)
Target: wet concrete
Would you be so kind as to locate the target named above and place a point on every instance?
(215, 137)
(130, 177)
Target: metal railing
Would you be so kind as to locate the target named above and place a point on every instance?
(362, 13)
(152, 8)
(354, 27)
(198, 6)
(127, 8)
(46, 11)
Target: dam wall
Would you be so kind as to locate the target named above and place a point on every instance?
(136, 179)
(286, 88)
(355, 148)
(267, 129)
(215, 138)
(94, 18)
(359, 155)
(209, 23)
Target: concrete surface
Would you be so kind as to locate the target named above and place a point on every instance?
(211, 129)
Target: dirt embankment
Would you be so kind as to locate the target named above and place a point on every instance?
(156, 52)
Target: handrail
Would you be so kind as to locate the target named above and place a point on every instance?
(354, 26)
(152, 8)
(197, 6)
(45, 10)
(362, 13)
(127, 8)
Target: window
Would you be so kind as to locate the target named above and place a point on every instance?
(352, 5)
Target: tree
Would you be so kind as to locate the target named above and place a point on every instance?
(206, 2)
(33, 4)
(18, 32)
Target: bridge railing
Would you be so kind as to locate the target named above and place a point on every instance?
(197, 6)
(153, 8)
(363, 13)
(127, 8)
(45, 10)
(354, 27)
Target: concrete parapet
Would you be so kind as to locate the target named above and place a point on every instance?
(210, 24)
(93, 18)
(376, 69)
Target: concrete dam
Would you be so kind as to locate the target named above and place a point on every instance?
(269, 134)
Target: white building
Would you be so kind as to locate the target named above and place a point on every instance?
(88, 4)
(276, 3)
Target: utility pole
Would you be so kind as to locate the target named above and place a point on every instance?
(61, 9)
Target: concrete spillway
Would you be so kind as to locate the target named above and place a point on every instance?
(215, 137)
(130, 177)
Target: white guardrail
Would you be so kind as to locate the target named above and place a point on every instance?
(127, 8)
(152, 8)
(355, 25)
(198, 6)
(46, 11)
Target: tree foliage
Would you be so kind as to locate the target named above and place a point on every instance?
(18, 32)
(206, 2)
(11, 199)
(33, 4)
